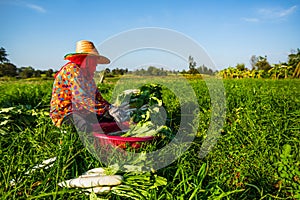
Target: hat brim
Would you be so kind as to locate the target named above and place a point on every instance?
(101, 59)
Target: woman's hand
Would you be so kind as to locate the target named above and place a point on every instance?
(120, 113)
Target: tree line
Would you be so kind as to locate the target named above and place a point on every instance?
(261, 68)
(10, 70)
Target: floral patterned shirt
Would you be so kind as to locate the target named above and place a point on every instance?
(73, 91)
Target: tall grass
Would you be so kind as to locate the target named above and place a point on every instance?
(35, 94)
(250, 161)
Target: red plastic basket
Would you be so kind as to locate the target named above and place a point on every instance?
(123, 142)
(118, 141)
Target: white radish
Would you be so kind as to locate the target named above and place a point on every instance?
(99, 190)
(92, 181)
(98, 170)
(45, 164)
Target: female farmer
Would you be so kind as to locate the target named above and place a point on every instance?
(75, 97)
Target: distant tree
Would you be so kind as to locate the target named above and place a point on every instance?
(8, 69)
(3, 56)
(205, 70)
(192, 66)
(117, 71)
(240, 67)
(37, 73)
(183, 72)
(26, 72)
(260, 63)
(141, 72)
(296, 73)
(263, 64)
(49, 73)
(107, 70)
(253, 61)
(294, 58)
(153, 71)
(294, 62)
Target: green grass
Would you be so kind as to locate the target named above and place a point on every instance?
(257, 157)
(262, 117)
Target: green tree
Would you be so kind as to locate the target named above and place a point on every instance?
(274, 71)
(294, 62)
(49, 73)
(294, 58)
(240, 67)
(296, 73)
(253, 61)
(3, 56)
(37, 73)
(192, 66)
(118, 71)
(8, 69)
(153, 71)
(262, 64)
(26, 72)
(205, 70)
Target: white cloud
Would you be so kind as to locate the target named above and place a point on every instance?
(36, 8)
(265, 14)
(21, 3)
(246, 19)
(288, 11)
(276, 13)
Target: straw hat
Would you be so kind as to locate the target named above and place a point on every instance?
(87, 48)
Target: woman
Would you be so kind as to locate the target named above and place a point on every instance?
(75, 97)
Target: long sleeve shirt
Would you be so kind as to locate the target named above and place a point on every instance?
(74, 91)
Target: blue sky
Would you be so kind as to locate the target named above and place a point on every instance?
(39, 33)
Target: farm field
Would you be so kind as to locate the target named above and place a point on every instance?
(256, 157)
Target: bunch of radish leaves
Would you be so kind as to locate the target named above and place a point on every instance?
(148, 114)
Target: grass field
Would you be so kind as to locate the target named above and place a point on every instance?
(257, 156)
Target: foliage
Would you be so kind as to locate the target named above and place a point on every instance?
(278, 71)
(261, 118)
(257, 156)
(26, 72)
(288, 172)
(296, 73)
(8, 69)
(23, 115)
(137, 185)
(3, 56)
(29, 93)
(294, 58)
(151, 71)
(241, 67)
(118, 71)
(147, 105)
(192, 66)
(150, 95)
(262, 69)
(261, 63)
(49, 73)
(205, 70)
(193, 69)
